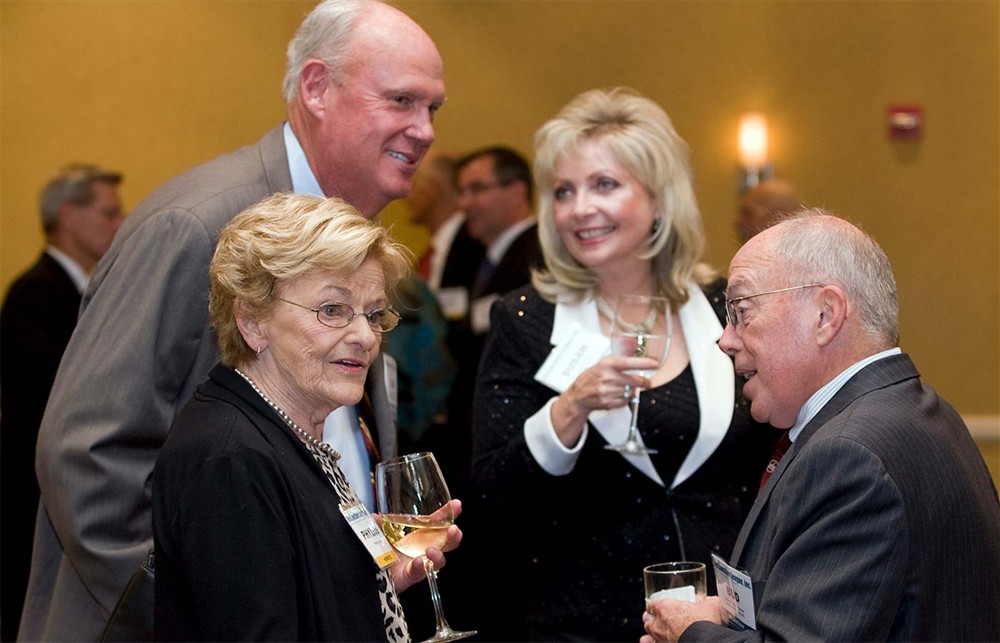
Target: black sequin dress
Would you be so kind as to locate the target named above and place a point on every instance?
(571, 548)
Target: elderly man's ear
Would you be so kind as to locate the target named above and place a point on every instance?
(314, 82)
(833, 314)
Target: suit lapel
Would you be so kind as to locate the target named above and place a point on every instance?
(884, 372)
(381, 391)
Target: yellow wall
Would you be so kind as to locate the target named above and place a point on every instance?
(156, 86)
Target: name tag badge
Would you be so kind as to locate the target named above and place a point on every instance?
(454, 302)
(370, 535)
(576, 354)
(736, 595)
(479, 317)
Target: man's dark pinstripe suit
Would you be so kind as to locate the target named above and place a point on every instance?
(880, 523)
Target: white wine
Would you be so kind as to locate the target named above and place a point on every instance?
(412, 534)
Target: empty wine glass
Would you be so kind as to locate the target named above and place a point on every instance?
(634, 333)
(416, 511)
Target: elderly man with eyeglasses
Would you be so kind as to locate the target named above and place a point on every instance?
(881, 521)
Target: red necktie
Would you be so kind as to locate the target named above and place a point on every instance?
(424, 267)
(780, 447)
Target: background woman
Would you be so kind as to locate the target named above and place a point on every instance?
(576, 522)
(250, 509)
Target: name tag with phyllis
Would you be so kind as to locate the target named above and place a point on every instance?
(370, 534)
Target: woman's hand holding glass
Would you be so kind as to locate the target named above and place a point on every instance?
(605, 385)
(410, 571)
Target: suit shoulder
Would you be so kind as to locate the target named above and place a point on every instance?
(45, 283)
(218, 189)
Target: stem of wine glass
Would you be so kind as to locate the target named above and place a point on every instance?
(442, 623)
(633, 427)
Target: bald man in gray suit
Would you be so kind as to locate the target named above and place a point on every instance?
(881, 521)
(362, 85)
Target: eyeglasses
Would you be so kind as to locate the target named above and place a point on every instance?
(475, 189)
(735, 316)
(341, 316)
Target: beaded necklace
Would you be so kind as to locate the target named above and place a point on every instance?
(642, 327)
(322, 446)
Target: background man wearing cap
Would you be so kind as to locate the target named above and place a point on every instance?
(362, 85)
(80, 212)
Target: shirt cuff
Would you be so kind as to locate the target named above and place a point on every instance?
(545, 446)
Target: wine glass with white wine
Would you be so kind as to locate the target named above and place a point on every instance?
(416, 511)
(636, 333)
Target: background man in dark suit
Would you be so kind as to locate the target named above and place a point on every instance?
(81, 211)
(452, 255)
(496, 192)
(362, 85)
(881, 521)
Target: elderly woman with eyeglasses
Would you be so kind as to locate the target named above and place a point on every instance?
(258, 534)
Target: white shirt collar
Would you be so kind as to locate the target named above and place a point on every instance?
(303, 179)
(822, 396)
(76, 272)
(441, 242)
(499, 247)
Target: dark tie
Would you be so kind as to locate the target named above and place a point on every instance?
(483, 277)
(780, 447)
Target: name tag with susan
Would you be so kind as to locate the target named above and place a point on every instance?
(370, 534)
(581, 350)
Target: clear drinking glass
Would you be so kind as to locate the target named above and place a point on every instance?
(683, 581)
(415, 509)
(634, 333)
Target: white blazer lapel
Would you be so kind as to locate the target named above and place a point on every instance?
(714, 379)
(713, 376)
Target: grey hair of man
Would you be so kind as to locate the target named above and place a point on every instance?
(74, 184)
(817, 250)
(325, 34)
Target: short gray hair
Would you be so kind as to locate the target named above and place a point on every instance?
(74, 184)
(819, 247)
(324, 34)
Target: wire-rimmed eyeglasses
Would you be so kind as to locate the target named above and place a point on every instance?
(339, 315)
(735, 316)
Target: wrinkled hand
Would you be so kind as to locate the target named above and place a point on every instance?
(410, 571)
(666, 620)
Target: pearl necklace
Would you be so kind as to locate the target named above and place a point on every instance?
(322, 446)
(642, 327)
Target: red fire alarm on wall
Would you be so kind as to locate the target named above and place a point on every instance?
(905, 121)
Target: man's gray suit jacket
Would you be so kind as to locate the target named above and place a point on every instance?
(881, 523)
(142, 345)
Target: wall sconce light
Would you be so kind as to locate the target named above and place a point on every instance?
(753, 152)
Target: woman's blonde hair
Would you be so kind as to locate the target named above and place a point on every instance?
(641, 137)
(283, 237)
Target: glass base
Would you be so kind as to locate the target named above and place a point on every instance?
(449, 634)
(630, 447)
